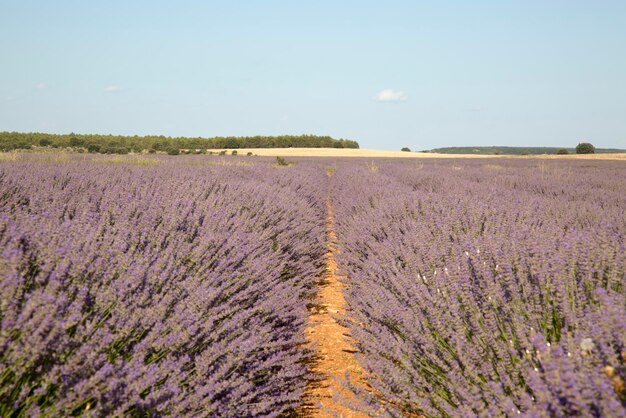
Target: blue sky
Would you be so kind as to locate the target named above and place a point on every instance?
(421, 74)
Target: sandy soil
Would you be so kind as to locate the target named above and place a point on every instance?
(333, 344)
(340, 152)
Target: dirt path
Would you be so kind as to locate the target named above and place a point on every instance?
(333, 345)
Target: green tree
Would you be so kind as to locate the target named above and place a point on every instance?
(231, 143)
(110, 143)
(76, 142)
(585, 148)
(562, 151)
(406, 149)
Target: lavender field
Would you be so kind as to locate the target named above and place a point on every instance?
(483, 289)
(182, 286)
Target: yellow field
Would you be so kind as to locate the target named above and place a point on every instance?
(347, 152)
(56, 155)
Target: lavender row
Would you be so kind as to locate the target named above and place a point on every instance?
(487, 289)
(165, 289)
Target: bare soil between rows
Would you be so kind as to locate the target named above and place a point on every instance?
(335, 351)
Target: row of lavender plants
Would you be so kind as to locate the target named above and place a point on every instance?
(482, 288)
(144, 287)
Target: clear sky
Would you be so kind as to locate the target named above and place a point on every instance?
(388, 74)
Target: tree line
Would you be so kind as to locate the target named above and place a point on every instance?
(118, 144)
(581, 148)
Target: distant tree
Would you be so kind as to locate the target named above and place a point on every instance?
(173, 151)
(585, 148)
(249, 153)
(93, 148)
(234, 152)
(11, 140)
(406, 149)
(231, 143)
(347, 143)
(76, 142)
(158, 146)
(562, 151)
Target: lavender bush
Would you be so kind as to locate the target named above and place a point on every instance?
(155, 288)
(484, 289)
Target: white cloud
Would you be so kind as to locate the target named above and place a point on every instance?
(390, 95)
(112, 89)
(41, 86)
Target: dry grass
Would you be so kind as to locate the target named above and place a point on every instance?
(54, 157)
(324, 152)
(127, 159)
(64, 157)
(348, 152)
(10, 156)
(48, 157)
(371, 166)
(493, 166)
(330, 170)
(222, 161)
(621, 156)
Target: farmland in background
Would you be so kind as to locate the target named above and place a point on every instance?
(503, 150)
(156, 285)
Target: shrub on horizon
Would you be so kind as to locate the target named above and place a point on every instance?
(585, 148)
